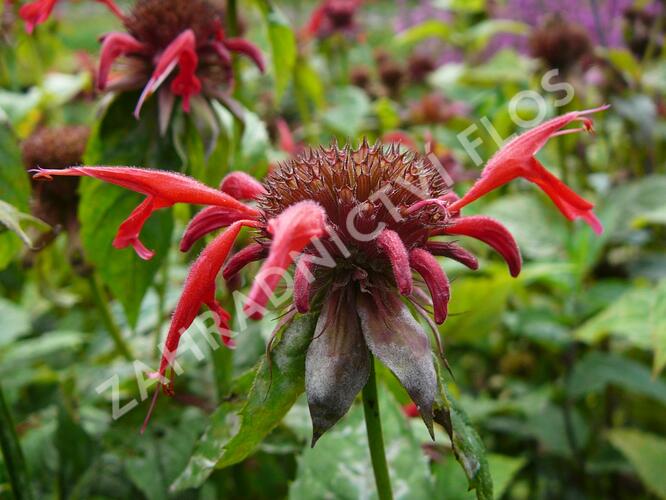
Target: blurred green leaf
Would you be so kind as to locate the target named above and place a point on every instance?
(625, 61)
(646, 453)
(637, 316)
(120, 139)
(349, 107)
(468, 320)
(277, 384)
(76, 450)
(339, 465)
(479, 35)
(11, 218)
(283, 45)
(432, 28)
(15, 322)
(597, 370)
(465, 440)
(309, 81)
(14, 189)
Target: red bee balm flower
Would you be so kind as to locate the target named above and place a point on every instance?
(38, 11)
(163, 36)
(359, 224)
(332, 16)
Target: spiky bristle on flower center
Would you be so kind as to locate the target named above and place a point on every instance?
(362, 191)
(157, 23)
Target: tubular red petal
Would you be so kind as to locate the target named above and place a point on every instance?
(292, 231)
(163, 189)
(315, 21)
(438, 284)
(492, 233)
(303, 278)
(199, 289)
(128, 232)
(34, 13)
(242, 186)
(180, 52)
(453, 251)
(390, 244)
(162, 184)
(515, 159)
(246, 48)
(287, 143)
(115, 45)
(207, 221)
(251, 253)
(222, 52)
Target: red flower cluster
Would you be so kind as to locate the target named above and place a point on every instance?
(372, 211)
(161, 37)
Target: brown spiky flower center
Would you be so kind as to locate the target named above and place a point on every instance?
(360, 189)
(158, 22)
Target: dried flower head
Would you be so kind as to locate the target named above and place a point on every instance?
(358, 224)
(420, 65)
(435, 108)
(560, 44)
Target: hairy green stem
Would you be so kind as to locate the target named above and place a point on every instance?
(102, 303)
(373, 425)
(12, 454)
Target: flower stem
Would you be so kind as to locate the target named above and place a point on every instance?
(13, 456)
(373, 426)
(102, 303)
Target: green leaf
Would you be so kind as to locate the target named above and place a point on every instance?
(12, 218)
(283, 45)
(350, 106)
(637, 316)
(309, 82)
(597, 370)
(465, 441)
(14, 189)
(231, 436)
(625, 61)
(479, 35)
(120, 139)
(646, 453)
(13, 460)
(76, 450)
(15, 321)
(432, 28)
(339, 465)
(470, 322)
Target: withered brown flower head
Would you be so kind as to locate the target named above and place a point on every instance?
(360, 77)
(391, 74)
(419, 66)
(56, 202)
(559, 43)
(57, 147)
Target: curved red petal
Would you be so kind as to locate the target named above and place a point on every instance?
(514, 159)
(162, 184)
(453, 251)
(242, 186)
(251, 253)
(438, 284)
(303, 279)
(36, 12)
(492, 233)
(207, 221)
(197, 288)
(390, 244)
(246, 48)
(292, 231)
(115, 45)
